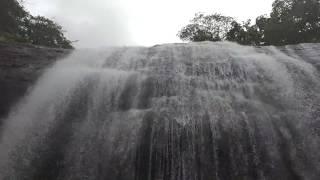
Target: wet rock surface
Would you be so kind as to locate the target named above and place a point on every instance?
(198, 111)
(20, 66)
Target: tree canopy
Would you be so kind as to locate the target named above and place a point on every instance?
(245, 33)
(11, 13)
(293, 21)
(206, 27)
(290, 22)
(16, 24)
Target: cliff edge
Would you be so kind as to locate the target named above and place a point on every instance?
(20, 67)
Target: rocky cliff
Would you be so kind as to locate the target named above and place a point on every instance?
(20, 66)
(196, 111)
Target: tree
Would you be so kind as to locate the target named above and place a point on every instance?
(293, 21)
(16, 24)
(42, 31)
(11, 13)
(244, 33)
(206, 28)
(290, 22)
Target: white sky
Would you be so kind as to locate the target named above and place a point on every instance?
(97, 23)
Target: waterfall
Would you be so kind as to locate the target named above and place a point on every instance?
(198, 111)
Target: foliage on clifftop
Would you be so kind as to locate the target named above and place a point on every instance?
(18, 25)
(290, 22)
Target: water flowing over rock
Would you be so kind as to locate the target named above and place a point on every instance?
(198, 111)
(20, 66)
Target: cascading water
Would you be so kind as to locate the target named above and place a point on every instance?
(199, 111)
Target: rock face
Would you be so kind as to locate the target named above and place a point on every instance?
(198, 111)
(20, 67)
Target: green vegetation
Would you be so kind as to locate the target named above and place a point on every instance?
(290, 22)
(211, 27)
(18, 25)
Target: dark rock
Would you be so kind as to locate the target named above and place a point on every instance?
(20, 67)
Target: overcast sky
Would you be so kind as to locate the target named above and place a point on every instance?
(97, 23)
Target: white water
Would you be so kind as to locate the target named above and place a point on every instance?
(171, 112)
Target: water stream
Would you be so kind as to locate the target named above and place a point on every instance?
(198, 111)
